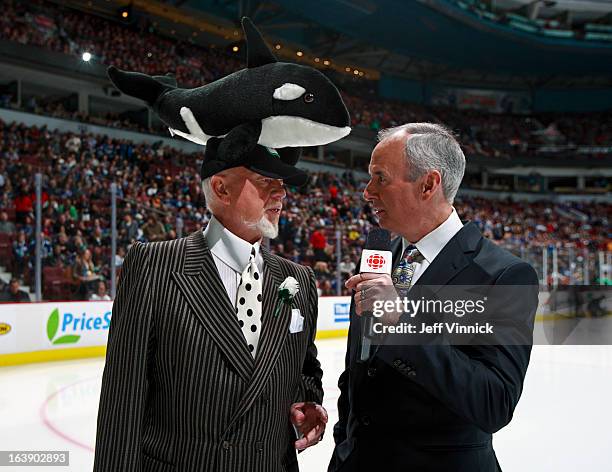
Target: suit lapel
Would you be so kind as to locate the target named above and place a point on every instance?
(452, 259)
(201, 286)
(273, 335)
(396, 251)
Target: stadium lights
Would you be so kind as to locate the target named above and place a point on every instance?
(86, 56)
(317, 59)
(326, 62)
(300, 53)
(347, 69)
(235, 49)
(278, 46)
(125, 13)
(356, 72)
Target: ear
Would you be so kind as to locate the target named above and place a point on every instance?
(431, 182)
(258, 54)
(219, 188)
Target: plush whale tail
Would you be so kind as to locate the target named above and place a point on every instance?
(141, 86)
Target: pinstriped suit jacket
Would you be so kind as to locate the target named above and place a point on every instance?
(180, 390)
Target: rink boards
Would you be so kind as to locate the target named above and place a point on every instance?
(38, 332)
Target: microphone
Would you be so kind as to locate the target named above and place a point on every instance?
(375, 259)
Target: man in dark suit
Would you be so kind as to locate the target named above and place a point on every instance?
(431, 406)
(207, 369)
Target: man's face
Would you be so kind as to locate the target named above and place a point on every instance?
(14, 287)
(256, 200)
(394, 199)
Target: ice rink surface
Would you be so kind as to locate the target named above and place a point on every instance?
(563, 422)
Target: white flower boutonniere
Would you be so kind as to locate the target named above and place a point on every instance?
(286, 293)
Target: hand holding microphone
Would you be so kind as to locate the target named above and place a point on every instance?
(372, 283)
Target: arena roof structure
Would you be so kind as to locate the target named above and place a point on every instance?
(444, 40)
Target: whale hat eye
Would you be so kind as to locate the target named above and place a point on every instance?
(289, 91)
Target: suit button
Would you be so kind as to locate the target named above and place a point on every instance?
(371, 371)
(365, 420)
(226, 445)
(259, 446)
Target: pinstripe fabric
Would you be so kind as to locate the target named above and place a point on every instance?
(180, 391)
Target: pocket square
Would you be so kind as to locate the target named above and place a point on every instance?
(297, 321)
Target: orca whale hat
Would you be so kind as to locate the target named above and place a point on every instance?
(274, 104)
(260, 159)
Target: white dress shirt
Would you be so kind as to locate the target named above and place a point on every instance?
(432, 243)
(231, 255)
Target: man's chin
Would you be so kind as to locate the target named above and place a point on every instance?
(268, 226)
(384, 222)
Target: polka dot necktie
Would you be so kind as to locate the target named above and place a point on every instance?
(404, 272)
(248, 306)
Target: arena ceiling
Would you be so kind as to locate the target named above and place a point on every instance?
(428, 39)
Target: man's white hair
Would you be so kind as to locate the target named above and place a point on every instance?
(431, 147)
(207, 189)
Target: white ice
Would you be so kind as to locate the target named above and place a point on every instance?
(563, 422)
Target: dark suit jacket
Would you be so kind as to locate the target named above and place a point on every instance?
(433, 408)
(180, 390)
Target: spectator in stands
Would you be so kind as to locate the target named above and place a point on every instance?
(59, 257)
(119, 257)
(128, 232)
(14, 294)
(318, 242)
(153, 229)
(347, 266)
(6, 226)
(21, 254)
(73, 144)
(85, 273)
(100, 293)
(24, 202)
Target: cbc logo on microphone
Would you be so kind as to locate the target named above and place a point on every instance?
(376, 261)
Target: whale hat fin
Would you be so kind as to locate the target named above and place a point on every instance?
(139, 85)
(169, 79)
(258, 53)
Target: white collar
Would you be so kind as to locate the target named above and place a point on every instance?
(231, 249)
(432, 243)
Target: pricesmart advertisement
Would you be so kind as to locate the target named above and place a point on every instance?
(44, 326)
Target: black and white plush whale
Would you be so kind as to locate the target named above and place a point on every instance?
(274, 104)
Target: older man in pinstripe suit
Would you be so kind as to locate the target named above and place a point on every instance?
(202, 373)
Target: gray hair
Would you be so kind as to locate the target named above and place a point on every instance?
(209, 195)
(431, 147)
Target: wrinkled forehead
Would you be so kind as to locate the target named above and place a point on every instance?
(389, 154)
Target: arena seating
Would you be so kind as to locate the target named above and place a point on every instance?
(139, 47)
(156, 185)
